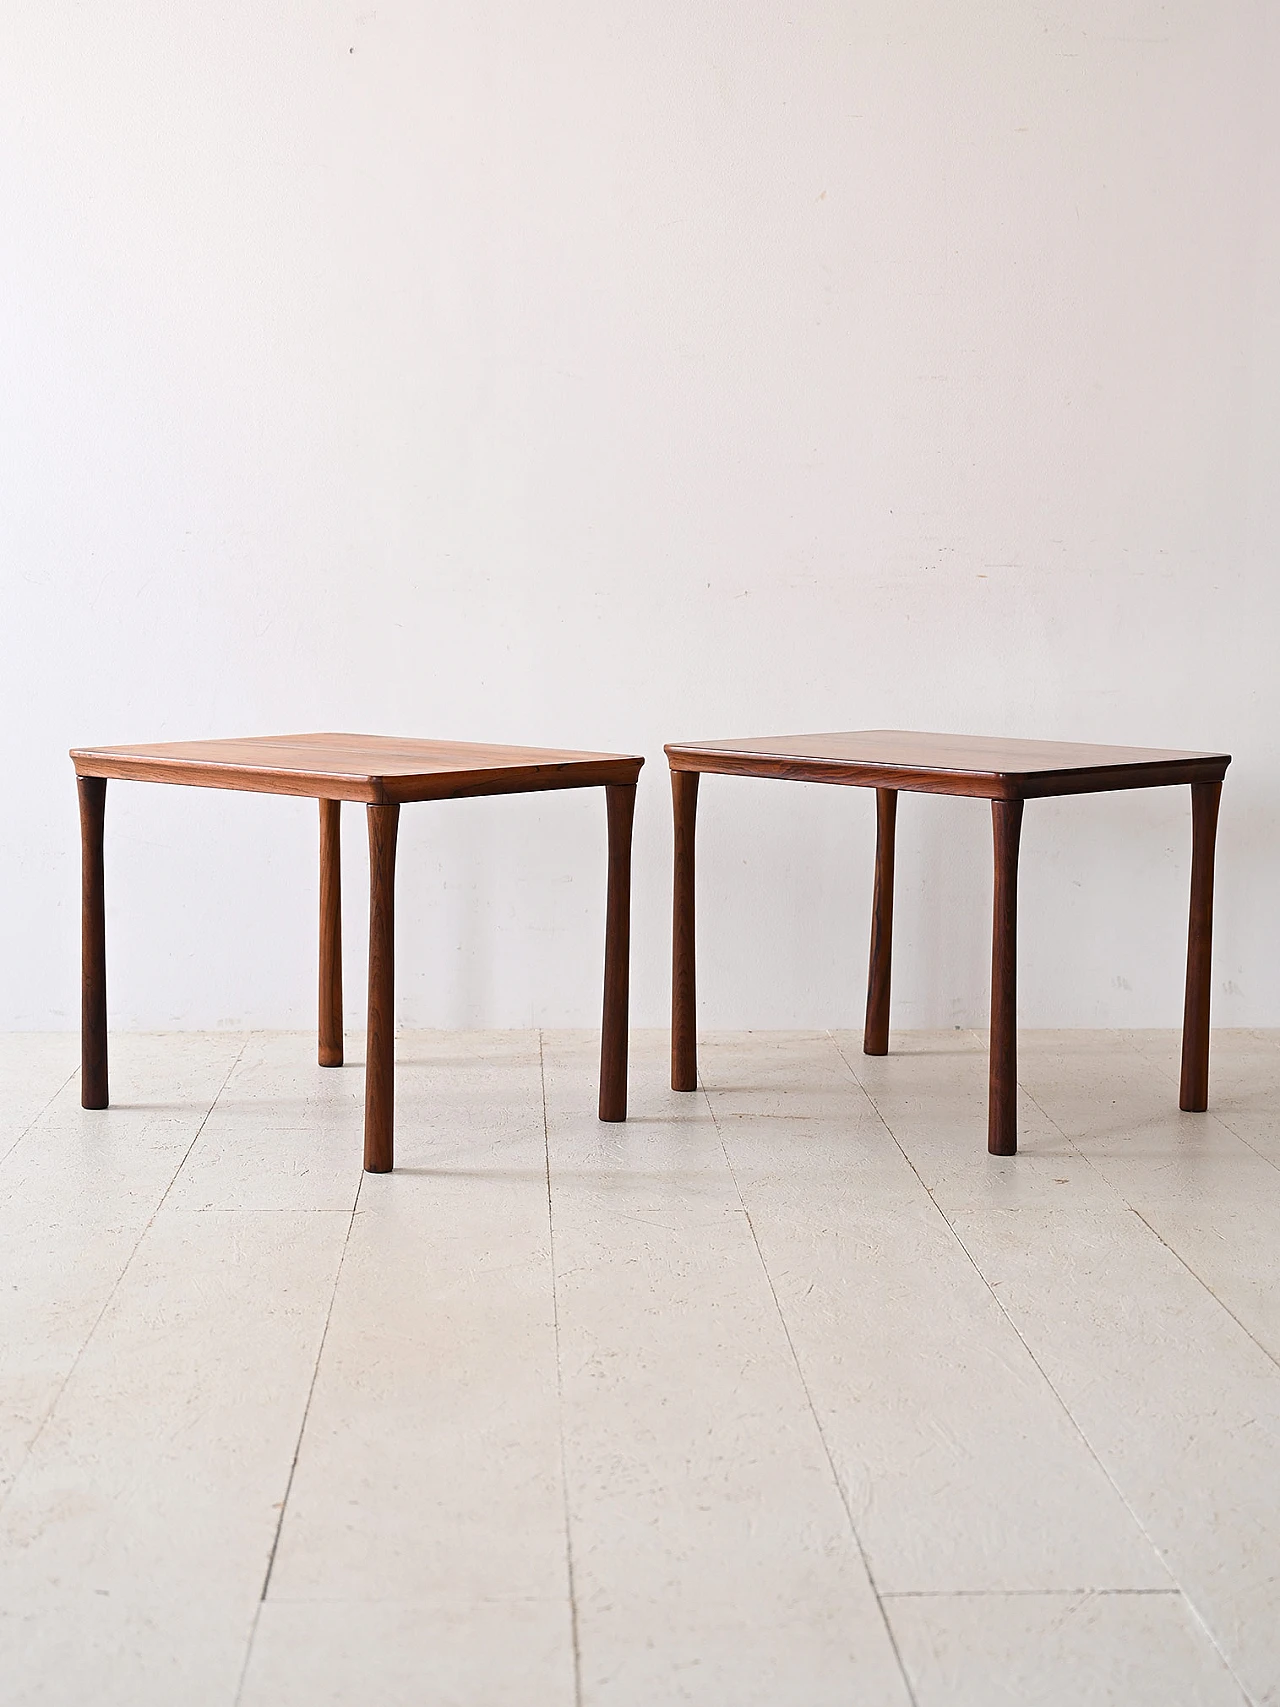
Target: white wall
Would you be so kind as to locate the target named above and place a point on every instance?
(603, 374)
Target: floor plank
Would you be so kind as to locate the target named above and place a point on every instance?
(713, 1555)
(76, 1195)
(962, 1468)
(1181, 1406)
(429, 1471)
(135, 1539)
(1045, 1650)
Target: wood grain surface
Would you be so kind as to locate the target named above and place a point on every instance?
(991, 767)
(376, 769)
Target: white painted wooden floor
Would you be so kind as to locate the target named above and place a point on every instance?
(784, 1393)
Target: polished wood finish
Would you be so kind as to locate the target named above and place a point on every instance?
(370, 768)
(684, 995)
(621, 800)
(383, 772)
(991, 768)
(1002, 1098)
(1194, 1090)
(1006, 772)
(379, 1072)
(93, 945)
(875, 1037)
(330, 1024)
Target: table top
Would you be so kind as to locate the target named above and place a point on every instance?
(377, 769)
(991, 767)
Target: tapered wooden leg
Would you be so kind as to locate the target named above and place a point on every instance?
(621, 798)
(1002, 1105)
(1194, 1097)
(875, 1039)
(330, 1028)
(379, 1072)
(93, 944)
(684, 1005)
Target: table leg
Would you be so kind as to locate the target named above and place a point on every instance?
(1194, 1093)
(621, 805)
(379, 1072)
(330, 1028)
(93, 944)
(875, 1038)
(1002, 1105)
(684, 1006)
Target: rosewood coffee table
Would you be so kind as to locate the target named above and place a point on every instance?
(1004, 772)
(384, 772)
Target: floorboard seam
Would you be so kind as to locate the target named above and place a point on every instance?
(1007, 1593)
(118, 1281)
(297, 1449)
(555, 1318)
(1201, 1281)
(813, 1411)
(39, 1116)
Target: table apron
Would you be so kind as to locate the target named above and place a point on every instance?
(362, 788)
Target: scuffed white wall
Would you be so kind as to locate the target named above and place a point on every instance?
(606, 374)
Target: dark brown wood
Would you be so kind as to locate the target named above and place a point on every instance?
(1002, 1104)
(1194, 1090)
(330, 1025)
(1007, 772)
(370, 768)
(621, 799)
(379, 1072)
(93, 945)
(875, 1038)
(684, 978)
(987, 767)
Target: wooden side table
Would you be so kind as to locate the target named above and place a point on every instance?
(1005, 772)
(384, 772)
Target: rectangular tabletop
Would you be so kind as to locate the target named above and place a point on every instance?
(990, 767)
(377, 769)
